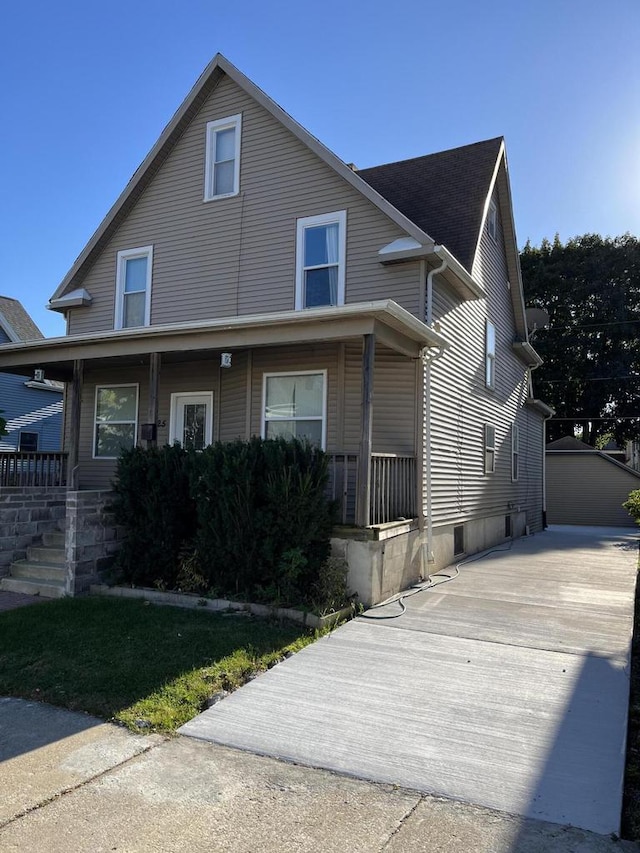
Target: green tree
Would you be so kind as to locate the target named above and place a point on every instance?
(3, 425)
(591, 376)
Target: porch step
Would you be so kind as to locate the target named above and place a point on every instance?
(38, 570)
(53, 539)
(44, 554)
(29, 587)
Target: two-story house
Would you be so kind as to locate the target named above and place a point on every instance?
(32, 407)
(248, 282)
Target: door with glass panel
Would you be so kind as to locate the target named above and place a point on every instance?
(192, 420)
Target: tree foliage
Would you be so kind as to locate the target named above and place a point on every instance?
(3, 424)
(591, 288)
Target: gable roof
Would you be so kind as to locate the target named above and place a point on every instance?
(444, 194)
(203, 87)
(15, 321)
(569, 442)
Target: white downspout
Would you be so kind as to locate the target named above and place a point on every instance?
(428, 357)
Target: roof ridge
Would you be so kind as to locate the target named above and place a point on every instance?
(433, 154)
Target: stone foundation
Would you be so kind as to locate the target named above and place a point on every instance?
(91, 538)
(25, 514)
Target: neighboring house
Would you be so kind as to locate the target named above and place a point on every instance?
(32, 407)
(587, 486)
(248, 282)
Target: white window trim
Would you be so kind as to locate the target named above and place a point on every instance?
(212, 128)
(124, 256)
(515, 453)
(183, 396)
(28, 432)
(489, 449)
(266, 376)
(492, 221)
(339, 216)
(95, 416)
(489, 356)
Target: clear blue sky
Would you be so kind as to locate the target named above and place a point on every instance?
(87, 88)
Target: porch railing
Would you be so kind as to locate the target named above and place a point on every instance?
(33, 469)
(393, 486)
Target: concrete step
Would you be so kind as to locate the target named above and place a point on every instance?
(53, 539)
(43, 554)
(46, 590)
(37, 571)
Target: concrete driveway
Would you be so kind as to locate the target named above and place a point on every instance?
(506, 687)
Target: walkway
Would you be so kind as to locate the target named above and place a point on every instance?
(506, 687)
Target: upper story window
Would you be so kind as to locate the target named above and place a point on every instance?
(133, 288)
(515, 452)
(222, 162)
(320, 260)
(492, 221)
(490, 355)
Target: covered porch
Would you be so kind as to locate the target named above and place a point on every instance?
(366, 358)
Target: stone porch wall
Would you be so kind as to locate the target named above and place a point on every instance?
(25, 514)
(92, 538)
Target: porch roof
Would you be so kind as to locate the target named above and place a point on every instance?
(393, 326)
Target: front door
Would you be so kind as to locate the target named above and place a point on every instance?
(191, 422)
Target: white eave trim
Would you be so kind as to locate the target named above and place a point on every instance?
(407, 249)
(526, 353)
(541, 407)
(74, 299)
(385, 310)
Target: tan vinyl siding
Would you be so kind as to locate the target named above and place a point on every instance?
(462, 404)
(236, 256)
(588, 488)
(232, 383)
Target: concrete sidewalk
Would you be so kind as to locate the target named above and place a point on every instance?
(506, 688)
(71, 784)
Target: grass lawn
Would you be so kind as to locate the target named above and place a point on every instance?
(125, 660)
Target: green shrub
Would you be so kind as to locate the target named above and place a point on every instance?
(246, 518)
(329, 591)
(632, 505)
(264, 521)
(153, 504)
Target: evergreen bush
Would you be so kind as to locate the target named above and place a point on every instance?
(152, 502)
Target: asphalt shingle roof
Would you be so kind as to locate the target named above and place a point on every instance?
(443, 194)
(21, 323)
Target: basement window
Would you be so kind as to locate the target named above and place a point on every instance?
(458, 540)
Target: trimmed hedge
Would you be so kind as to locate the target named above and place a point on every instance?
(247, 518)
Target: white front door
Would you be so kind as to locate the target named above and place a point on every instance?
(191, 423)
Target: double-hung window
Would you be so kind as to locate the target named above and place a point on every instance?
(320, 260)
(116, 420)
(492, 221)
(295, 406)
(515, 452)
(489, 449)
(222, 161)
(133, 288)
(490, 355)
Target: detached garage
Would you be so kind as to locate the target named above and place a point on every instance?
(586, 486)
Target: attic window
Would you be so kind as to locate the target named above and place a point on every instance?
(222, 161)
(492, 221)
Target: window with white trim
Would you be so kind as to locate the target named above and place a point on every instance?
(295, 406)
(28, 442)
(492, 221)
(490, 355)
(191, 422)
(222, 158)
(515, 452)
(489, 449)
(321, 243)
(133, 288)
(116, 420)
